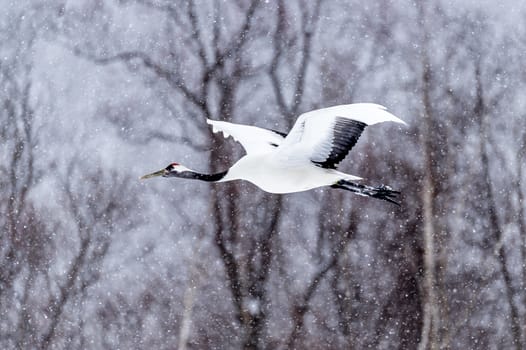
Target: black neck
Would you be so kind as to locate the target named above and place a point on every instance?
(202, 177)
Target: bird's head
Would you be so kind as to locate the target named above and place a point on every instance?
(172, 170)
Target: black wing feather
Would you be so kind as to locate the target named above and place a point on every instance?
(282, 134)
(346, 133)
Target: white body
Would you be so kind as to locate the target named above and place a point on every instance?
(284, 165)
(272, 175)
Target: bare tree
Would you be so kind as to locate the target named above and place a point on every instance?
(25, 241)
(333, 240)
(96, 205)
(481, 113)
(223, 66)
(431, 321)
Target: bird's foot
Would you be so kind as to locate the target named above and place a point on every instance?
(383, 192)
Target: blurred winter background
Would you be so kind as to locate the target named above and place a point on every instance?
(95, 93)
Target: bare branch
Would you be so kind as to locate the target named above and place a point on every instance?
(308, 28)
(128, 56)
(196, 34)
(274, 65)
(308, 25)
(167, 8)
(241, 38)
(301, 307)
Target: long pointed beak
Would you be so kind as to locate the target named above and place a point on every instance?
(157, 173)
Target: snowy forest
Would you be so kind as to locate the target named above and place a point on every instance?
(96, 93)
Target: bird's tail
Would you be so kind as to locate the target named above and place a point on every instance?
(383, 192)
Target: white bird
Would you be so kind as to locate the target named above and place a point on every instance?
(304, 159)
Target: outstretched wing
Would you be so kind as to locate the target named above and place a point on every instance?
(252, 138)
(325, 136)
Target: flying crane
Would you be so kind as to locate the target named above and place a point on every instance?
(301, 160)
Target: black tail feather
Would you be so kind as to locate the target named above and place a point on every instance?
(382, 192)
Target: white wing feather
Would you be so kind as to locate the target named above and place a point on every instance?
(253, 139)
(311, 136)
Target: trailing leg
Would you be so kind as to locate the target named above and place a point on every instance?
(383, 192)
